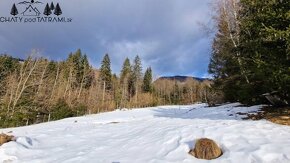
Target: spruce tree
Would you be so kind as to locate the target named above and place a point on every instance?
(175, 94)
(14, 10)
(47, 10)
(135, 76)
(137, 68)
(126, 69)
(105, 72)
(131, 84)
(78, 69)
(226, 64)
(78, 65)
(117, 91)
(262, 65)
(86, 71)
(265, 47)
(57, 10)
(147, 81)
(8, 65)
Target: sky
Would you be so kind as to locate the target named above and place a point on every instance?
(166, 34)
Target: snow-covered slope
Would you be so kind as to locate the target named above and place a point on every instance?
(159, 134)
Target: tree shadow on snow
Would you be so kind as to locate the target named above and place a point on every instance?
(225, 112)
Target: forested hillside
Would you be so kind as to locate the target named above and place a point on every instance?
(182, 89)
(250, 60)
(38, 90)
(251, 50)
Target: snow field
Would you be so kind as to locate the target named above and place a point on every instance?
(150, 135)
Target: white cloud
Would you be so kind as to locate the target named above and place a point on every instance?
(165, 33)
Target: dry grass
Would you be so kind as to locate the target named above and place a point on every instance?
(276, 115)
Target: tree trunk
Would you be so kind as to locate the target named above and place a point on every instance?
(82, 82)
(104, 91)
(55, 82)
(48, 119)
(136, 92)
(235, 40)
(41, 79)
(68, 82)
(24, 86)
(191, 94)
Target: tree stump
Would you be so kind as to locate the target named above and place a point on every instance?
(206, 149)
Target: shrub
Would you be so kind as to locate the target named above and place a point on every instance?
(61, 110)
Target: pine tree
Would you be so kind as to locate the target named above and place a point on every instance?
(14, 10)
(52, 6)
(47, 10)
(105, 72)
(147, 81)
(57, 10)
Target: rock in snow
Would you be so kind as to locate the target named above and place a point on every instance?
(151, 135)
(5, 138)
(206, 149)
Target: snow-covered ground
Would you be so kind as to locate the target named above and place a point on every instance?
(158, 134)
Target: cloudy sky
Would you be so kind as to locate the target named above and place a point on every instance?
(166, 34)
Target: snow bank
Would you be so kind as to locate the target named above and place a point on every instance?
(158, 134)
